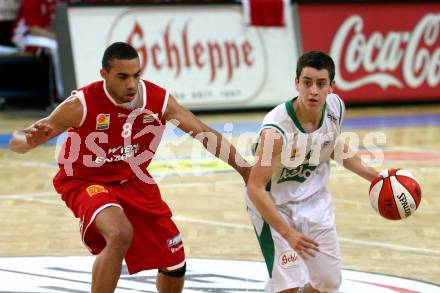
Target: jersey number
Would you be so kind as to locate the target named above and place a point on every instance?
(126, 130)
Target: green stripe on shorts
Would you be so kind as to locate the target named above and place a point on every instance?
(267, 246)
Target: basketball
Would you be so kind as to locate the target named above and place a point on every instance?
(395, 194)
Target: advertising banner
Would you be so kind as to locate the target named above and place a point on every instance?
(382, 52)
(205, 55)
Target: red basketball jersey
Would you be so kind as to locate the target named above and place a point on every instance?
(113, 143)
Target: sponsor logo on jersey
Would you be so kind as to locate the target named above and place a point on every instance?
(95, 189)
(122, 115)
(288, 259)
(119, 153)
(299, 174)
(174, 241)
(332, 117)
(102, 121)
(73, 274)
(176, 249)
(148, 118)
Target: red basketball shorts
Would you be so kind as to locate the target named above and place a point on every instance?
(156, 241)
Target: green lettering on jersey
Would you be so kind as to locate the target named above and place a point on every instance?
(299, 173)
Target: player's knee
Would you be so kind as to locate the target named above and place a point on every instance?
(120, 237)
(177, 273)
(329, 283)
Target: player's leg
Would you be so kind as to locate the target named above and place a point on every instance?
(287, 272)
(104, 228)
(171, 279)
(296, 290)
(157, 243)
(309, 289)
(325, 268)
(117, 231)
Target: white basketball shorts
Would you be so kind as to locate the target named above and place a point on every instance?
(313, 217)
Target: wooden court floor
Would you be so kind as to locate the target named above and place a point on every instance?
(209, 209)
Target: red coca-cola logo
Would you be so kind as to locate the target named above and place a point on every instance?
(382, 51)
(388, 59)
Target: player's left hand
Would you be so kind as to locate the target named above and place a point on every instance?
(305, 246)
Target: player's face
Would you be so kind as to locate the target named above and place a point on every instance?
(313, 85)
(122, 79)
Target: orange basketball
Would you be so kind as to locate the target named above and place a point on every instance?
(395, 194)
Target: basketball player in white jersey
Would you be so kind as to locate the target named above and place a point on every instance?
(288, 201)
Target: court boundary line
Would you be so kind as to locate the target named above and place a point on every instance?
(395, 247)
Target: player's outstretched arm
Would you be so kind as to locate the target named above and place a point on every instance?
(67, 114)
(212, 140)
(354, 163)
(267, 155)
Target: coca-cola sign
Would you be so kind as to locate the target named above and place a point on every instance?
(378, 56)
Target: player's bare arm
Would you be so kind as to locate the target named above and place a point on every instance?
(223, 149)
(270, 147)
(354, 161)
(67, 114)
(354, 164)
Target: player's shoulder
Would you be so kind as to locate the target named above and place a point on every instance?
(277, 115)
(97, 85)
(72, 104)
(90, 90)
(335, 100)
(79, 98)
(335, 108)
(153, 89)
(69, 113)
(152, 86)
(278, 120)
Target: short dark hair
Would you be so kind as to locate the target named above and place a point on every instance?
(318, 60)
(118, 50)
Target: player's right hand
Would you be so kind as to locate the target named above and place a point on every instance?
(37, 134)
(303, 245)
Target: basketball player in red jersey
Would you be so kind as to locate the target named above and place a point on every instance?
(114, 128)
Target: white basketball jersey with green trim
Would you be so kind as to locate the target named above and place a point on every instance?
(305, 166)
